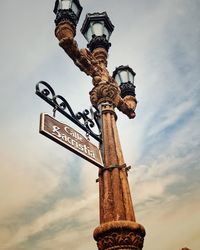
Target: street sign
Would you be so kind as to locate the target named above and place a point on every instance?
(70, 139)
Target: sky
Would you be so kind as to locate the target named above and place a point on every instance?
(48, 195)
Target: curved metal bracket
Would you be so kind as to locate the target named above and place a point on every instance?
(60, 104)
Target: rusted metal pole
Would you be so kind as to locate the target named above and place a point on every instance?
(118, 228)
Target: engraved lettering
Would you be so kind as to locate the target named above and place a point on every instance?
(56, 131)
(72, 137)
(73, 133)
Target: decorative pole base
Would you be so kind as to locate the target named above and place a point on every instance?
(119, 235)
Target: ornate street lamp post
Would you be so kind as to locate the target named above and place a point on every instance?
(118, 228)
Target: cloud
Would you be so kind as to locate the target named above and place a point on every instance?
(49, 197)
(172, 117)
(170, 224)
(50, 221)
(23, 187)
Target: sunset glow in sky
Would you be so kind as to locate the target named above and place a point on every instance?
(49, 197)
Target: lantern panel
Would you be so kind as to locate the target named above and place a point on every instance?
(75, 9)
(124, 76)
(97, 28)
(65, 4)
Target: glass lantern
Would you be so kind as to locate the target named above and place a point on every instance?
(97, 29)
(124, 76)
(67, 10)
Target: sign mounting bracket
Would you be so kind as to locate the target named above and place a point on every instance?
(60, 104)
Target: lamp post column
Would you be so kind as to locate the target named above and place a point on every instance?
(114, 189)
(118, 229)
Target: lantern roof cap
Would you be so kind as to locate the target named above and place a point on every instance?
(123, 68)
(75, 1)
(97, 17)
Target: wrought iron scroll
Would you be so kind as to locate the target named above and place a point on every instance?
(60, 104)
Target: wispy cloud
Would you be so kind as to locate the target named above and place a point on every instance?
(49, 198)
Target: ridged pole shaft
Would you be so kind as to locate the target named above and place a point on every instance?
(115, 200)
(118, 228)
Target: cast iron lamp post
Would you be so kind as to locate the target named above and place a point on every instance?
(118, 228)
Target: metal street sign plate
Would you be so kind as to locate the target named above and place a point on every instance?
(70, 139)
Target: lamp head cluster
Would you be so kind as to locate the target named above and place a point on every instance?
(97, 29)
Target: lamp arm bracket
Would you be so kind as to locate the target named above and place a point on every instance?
(88, 63)
(65, 32)
(127, 105)
(82, 58)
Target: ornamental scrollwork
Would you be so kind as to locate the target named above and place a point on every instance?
(60, 104)
(105, 92)
(94, 64)
(82, 58)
